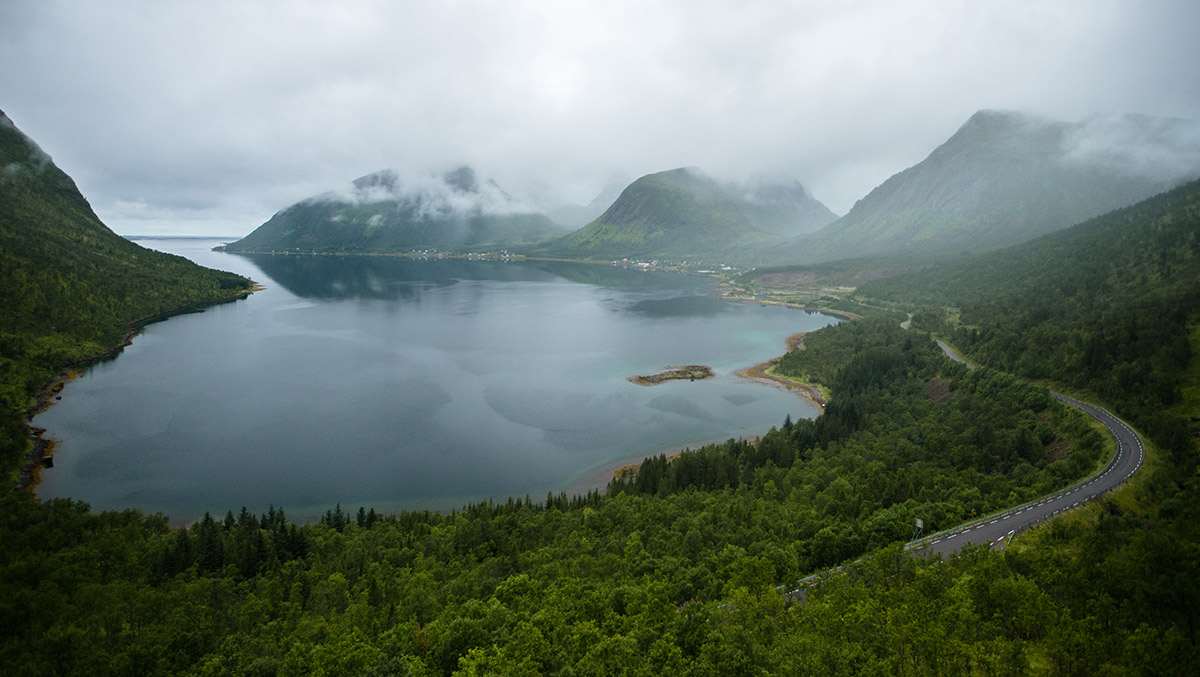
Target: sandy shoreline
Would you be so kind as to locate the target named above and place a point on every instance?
(761, 372)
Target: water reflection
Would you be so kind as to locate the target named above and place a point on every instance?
(648, 293)
(681, 306)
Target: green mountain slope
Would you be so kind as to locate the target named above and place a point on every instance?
(1004, 178)
(682, 213)
(1104, 305)
(71, 287)
(382, 214)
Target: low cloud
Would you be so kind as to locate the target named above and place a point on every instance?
(229, 111)
(1161, 149)
(434, 194)
(37, 159)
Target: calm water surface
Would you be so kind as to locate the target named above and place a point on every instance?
(397, 383)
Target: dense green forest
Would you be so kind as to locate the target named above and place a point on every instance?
(1105, 307)
(676, 569)
(72, 287)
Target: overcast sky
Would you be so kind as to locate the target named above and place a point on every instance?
(194, 117)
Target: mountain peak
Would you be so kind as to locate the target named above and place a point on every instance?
(1000, 116)
(462, 179)
(1007, 176)
(684, 213)
(384, 178)
(383, 213)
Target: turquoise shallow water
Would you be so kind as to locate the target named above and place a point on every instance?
(396, 383)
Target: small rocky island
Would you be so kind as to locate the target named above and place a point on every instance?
(692, 372)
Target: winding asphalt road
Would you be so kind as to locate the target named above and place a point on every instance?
(997, 530)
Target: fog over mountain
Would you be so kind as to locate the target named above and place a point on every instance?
(384, 212)
(579, 215)
(779, 204)
(207, 117)
(457, 191)
(1006, 177)
(1163, 150)
(685, 213)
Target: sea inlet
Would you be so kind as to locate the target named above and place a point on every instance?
(396, 383)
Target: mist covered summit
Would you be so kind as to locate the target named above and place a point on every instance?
(684, 213)
(384, 212)
(1005, 177)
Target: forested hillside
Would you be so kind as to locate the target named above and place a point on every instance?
(71, 287)
(686, 214)
(1106, 306)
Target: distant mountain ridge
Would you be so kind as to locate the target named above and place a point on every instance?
(382, 213)
(684, 213)
(1006, 177)
(578, 216)
(1002, 178)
